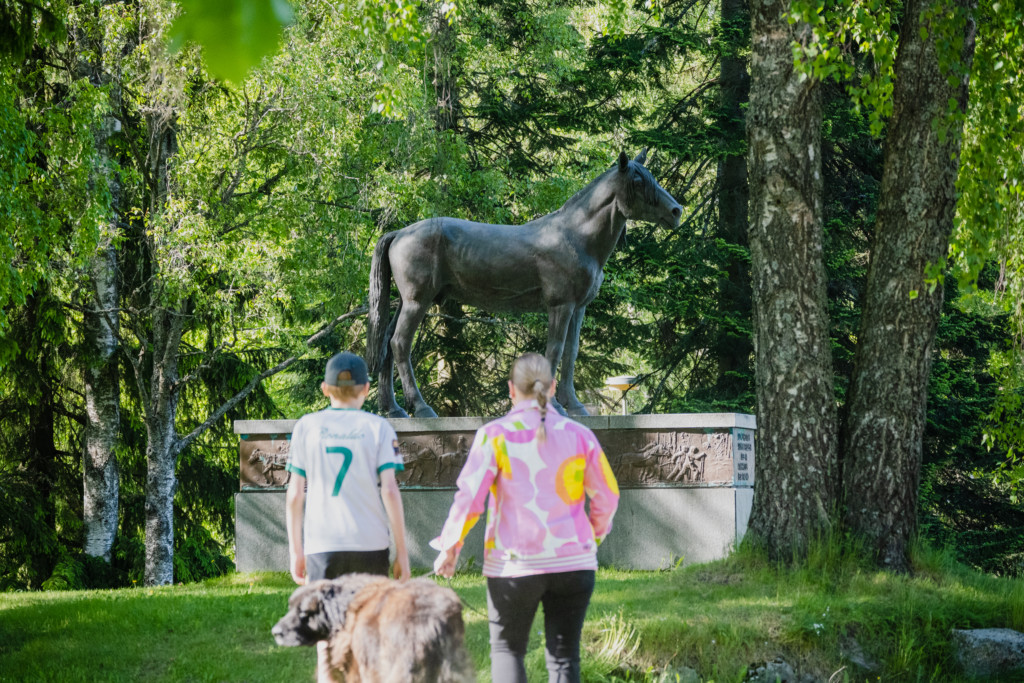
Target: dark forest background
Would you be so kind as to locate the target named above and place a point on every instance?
(237, 222)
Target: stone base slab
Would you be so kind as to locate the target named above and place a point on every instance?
(653, 529)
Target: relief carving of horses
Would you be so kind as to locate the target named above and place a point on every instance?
(552, 264)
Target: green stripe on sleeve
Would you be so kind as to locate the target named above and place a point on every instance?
(297, 470)
(397, 466)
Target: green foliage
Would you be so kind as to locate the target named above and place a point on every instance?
(990, 211)
(279, 185)
(78, 571)
(990, 214)
(962, 508)
(839, 34)
(23, 25)
(40, 478)
(235, 35)
(49, 214)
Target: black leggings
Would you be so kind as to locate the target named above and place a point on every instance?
(511, 606)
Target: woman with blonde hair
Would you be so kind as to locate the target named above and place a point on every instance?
(540, 544)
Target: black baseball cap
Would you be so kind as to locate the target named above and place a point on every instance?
(346, 370)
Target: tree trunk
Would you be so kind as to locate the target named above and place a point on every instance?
(886, 410)
(162, 446)
(445, 76)
(161, 388)
(102, 381)
(42, 461)
(734, 345)
(796, 413)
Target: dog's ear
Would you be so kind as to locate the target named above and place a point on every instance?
(315, 609)
(310, 603)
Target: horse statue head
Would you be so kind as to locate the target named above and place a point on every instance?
(644, 199)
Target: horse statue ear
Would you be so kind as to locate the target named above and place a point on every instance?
(623, 162)
(641, 158)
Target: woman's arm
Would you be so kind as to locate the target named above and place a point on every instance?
(473, 483)
(602, 489)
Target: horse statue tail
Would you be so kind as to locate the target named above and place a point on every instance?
(377, 317)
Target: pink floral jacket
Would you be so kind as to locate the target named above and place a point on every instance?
(536, 519)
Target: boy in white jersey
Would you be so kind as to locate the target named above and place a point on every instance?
(337, 518)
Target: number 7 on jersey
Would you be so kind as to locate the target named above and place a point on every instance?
(346, 455)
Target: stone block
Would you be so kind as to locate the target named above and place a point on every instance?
(986, 652)
(686, 483)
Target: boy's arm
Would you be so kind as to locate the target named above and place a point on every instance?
(392, 499)
(295, 508)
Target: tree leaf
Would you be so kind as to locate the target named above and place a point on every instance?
(235, 35)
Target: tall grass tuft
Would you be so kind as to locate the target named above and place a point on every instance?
(615, 642)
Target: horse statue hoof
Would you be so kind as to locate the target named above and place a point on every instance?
(397, 412)
(424, 411)
(558, 406)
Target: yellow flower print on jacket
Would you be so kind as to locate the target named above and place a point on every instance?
(569, 480)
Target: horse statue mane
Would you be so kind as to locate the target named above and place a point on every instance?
(554, 264)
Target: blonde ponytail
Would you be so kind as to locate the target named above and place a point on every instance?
(532, 377)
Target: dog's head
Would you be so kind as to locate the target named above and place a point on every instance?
(306, 621)
(317, 610)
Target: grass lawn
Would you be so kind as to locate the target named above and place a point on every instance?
(718, 619)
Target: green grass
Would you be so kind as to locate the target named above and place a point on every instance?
(718, 619)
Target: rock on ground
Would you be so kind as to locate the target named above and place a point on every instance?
(776, 672)
(989, 651)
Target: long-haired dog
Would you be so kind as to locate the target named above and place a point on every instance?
(379, 630)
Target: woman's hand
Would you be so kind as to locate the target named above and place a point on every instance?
(444, 565)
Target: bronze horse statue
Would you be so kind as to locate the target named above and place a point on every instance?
(553, 264)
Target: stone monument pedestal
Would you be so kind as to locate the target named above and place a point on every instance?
(686, 483)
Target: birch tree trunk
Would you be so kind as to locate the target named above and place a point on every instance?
(101, 325)
(733, 346)
(102, 398)
(885, 421)
(162, 446)
(102, 381)
(161, 387)
(796, 413)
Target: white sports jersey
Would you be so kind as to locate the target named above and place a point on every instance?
(341, 453)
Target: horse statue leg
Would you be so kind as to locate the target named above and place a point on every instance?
(386, 377)
(409, 318)
(566, 392)
(559, 318)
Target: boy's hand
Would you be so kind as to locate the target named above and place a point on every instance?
(298, 567)
(400, 570)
